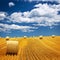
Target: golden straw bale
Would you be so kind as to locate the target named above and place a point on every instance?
(41, 37)
(12, 47)
(7, 37)
(53, 36)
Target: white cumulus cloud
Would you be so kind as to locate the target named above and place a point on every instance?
(43, 14)
(44, 0)
(3, 15)
(11, 4)
(7, 27)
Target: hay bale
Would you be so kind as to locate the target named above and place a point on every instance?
(7, 38)
(25, 37)
(41, 37)
(12, 47)
(53, 36)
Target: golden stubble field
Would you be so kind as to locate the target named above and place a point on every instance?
(33, 48)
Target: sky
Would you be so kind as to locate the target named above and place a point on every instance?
(29, 18)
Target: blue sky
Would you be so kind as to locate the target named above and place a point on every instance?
(29, 17)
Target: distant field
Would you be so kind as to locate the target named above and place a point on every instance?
(33, 48)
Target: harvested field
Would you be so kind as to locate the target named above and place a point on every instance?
(33, 48)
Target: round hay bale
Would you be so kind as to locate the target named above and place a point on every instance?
(7, 38)
(12, 47)
(41, 37)
(25, 37)
(53, 36)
